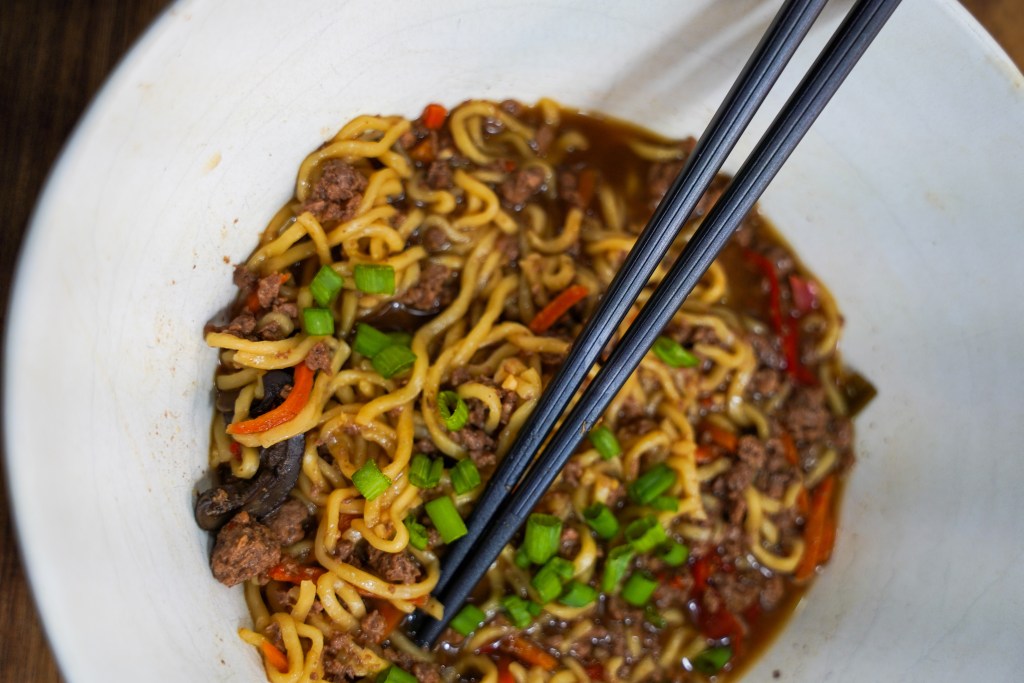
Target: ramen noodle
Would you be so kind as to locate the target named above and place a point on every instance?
(392, 332)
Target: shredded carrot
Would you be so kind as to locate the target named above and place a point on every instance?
(504, 675)
(291, 571)
(704, 455)
(528, 652)
(295, 402)
(803, 502)
(558, 306)
(433, 116)
(274, 656)
(723, 437)
(789, 448)
(819, 532)
(587, 185)
(392, 616)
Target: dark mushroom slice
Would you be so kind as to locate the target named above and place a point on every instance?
(260, 496)
(394, 316)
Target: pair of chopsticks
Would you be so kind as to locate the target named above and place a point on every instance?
(510, 496)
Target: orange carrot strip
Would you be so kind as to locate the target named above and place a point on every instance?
(293, 572)
(274, 656)
(423, 151)
(703, 455)
(819, 533)
(295, 402)
(558, 306)
(433, 116)
(723, 437)
(789, 448)
(529, 653)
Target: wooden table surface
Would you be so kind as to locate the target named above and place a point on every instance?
(54, 55)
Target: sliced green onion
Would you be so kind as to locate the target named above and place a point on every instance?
(394, 360)
(374, 279)
(673, 354)
(615, 567)
(673, 554)
(317, 321)
(518, 610)
(521, 559)
(605, 442)
(543, 534)
(393, 674)
(370, 341)
(446, 519)
(652, 483)
(325, 286)
(465, 476)
(533, 608)
(710, 661)
(562, 568)
(469, 619)
(417, 534)
(639, 588)
(601, 519)
(666, 503)
(370, 481)
(652, 617)
(425, 473)
(453, 410)
(547, 583)
(400, 338)
(578, 594)
(645, 534)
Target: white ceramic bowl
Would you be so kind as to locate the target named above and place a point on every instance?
(905, 197)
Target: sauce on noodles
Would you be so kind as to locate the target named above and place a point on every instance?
(393, 330)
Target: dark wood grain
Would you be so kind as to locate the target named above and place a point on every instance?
(54, 55)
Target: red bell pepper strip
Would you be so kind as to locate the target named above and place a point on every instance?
(783, 325)
(820, 530)
(558, 306)
(291, 407)
(433, 116)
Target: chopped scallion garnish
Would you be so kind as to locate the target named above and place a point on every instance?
(518, 610)
(547, 583)
(453, 410)
(370, 481)
(652, 484)
(370, 341)
(639, 588)
(465, 476)
(712, 660)
(393, 360)
(605, 442)
(400, 338)
(673, 554)
(317, 321)
(446, 519)
(374, 279)
(325, 286)
(521, 560)
(425, 473)
(543, 534)
(578, 594)
(645, 534)
(666, 503)
(417, 534)
(673, 354)
(615, 567)
(469, 619)
(601, 519)
(393, 674)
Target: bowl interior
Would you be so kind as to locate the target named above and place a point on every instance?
(903, 198)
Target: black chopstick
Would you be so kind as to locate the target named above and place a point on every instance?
(508, 512)
(747, 93)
